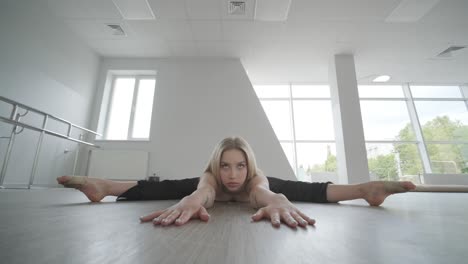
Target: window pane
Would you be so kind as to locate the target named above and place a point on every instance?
(394, 162)
(289, 151)
(380, 91)
(443, 120)
(448, 158)
(119, 116)
(386, 120)
(313, 120)
(314, 159)
(272, 91)
(143, 109)
(310, 91)
(419, 91)
(279, 115)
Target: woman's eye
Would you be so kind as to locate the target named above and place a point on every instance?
(240, 166)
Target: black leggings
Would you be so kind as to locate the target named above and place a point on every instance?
(178, 189)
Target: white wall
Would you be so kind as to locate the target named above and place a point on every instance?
(197, 103)
(42, 64)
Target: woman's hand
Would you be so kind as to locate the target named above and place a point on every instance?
(281, 209)
(178, 214)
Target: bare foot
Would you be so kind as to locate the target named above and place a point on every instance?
(376, 192)
(94, 189)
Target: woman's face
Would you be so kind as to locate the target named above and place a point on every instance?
(233, 170)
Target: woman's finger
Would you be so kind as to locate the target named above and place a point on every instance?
(299, 219)
(184, 217)
(158, 220)
(151, 216)
(170, 218)
(203, 214)
(275, 218)
(259, 215)
(288, 219)
(305, 217)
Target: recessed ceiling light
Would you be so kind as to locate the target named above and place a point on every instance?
(134, 9)
(272, 10)
(382, 78)
(411, 11)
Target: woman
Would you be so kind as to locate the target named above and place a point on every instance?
(232, 175)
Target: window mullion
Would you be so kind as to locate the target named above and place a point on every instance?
(132, 111)
(417, 129)
(464, 92)
(110, 105)
(293, 127)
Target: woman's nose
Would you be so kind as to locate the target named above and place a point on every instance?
(232, 173)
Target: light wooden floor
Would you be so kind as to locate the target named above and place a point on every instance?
(60, 226)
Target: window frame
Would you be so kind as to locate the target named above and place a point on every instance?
(425, 157)
(291, 99)
(136, 88)
(420, 141)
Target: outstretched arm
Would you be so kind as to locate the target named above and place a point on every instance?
(191, 206)
(274, 206)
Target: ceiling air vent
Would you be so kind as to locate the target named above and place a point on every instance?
(236, 8)
(447, 53)
(116, 29)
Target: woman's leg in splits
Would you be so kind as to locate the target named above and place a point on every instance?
(373, 192)
(96, 189)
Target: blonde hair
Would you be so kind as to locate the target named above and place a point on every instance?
(229, 143)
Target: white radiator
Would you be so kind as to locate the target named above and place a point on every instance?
(118, 164)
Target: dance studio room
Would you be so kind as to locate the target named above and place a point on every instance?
(233, 131)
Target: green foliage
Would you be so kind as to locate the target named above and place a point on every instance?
(440, 128)
(410, 161)
(328, 166)
(445, 158)
(406, 133)
(384, 167)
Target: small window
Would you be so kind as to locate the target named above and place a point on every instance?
(310, 91)
(386, 120)
(272, 91)
(380, 91)
(313, 120)
(315, 159)
(419, 91)
(130, 108)
(394, 162)
(442, 120)
(279, 115)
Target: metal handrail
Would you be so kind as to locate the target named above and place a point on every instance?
(17, 123)
(12, 102)
(14, 119)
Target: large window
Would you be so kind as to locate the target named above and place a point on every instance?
(443, 116)
(390, 139)
(301, 116)
(130, 107)
(409, 130)
(412, 130)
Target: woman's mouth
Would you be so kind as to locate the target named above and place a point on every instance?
(233, 184)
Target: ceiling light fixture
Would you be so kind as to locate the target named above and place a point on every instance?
(272, 10)
(382, 78)
(236, 8)
(134, 9)
(116, 30)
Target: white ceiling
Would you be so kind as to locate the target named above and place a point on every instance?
(295, 50)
